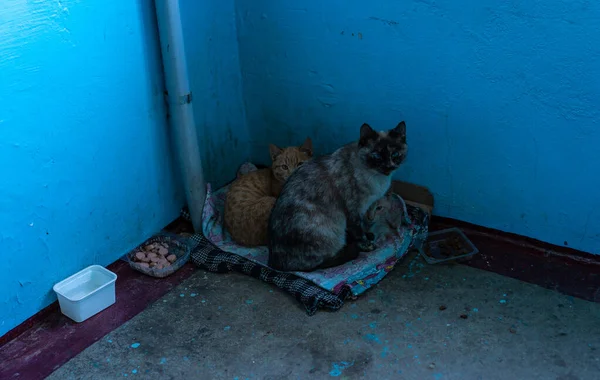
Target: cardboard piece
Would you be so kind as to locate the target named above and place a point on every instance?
(414, 195)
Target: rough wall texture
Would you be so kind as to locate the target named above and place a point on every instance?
(216, 82)
(500, 97)
(84, 146)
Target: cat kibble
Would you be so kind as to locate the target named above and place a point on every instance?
(155, 256)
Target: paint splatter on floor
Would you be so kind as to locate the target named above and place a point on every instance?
(415, 267)
(385, 352)
(135, 345)
(227, 328)
(338, 368)
(249, 302)
(372, 338)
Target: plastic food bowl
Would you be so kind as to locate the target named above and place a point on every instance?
(86, 293)
(447, 245)
(176, 245)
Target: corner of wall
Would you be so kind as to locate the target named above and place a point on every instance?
(237, 25)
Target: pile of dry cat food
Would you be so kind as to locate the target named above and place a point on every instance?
(154, 255)
(452, 246)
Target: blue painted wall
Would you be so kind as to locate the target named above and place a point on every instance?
(215, 77)
(84, 146)
(501, 98)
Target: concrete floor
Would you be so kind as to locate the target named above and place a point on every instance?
(235, 327)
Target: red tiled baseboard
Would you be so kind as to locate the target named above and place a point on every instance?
(562, 269)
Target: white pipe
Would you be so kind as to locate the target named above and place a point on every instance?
(180, 106)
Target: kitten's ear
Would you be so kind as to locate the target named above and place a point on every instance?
(366, 134)
(275, 151)
(307, 147)
(399, 132)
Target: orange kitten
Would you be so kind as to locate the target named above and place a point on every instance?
(251, 197)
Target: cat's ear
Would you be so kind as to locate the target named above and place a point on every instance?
(307, 147)
(275, 151)
(399, 132)
(366, 133)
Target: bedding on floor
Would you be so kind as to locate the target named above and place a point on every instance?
(325, 288)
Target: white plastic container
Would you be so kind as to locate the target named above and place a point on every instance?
(86, 293)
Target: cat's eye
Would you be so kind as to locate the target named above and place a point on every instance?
(284, 167)
(375, 156)
(300, 163)
(378, 208)
(395, 155)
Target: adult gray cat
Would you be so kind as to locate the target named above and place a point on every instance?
(317, 221)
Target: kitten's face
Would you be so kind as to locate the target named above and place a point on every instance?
(377, 209)
(286, 160)
(383, 151)
(380, 208)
